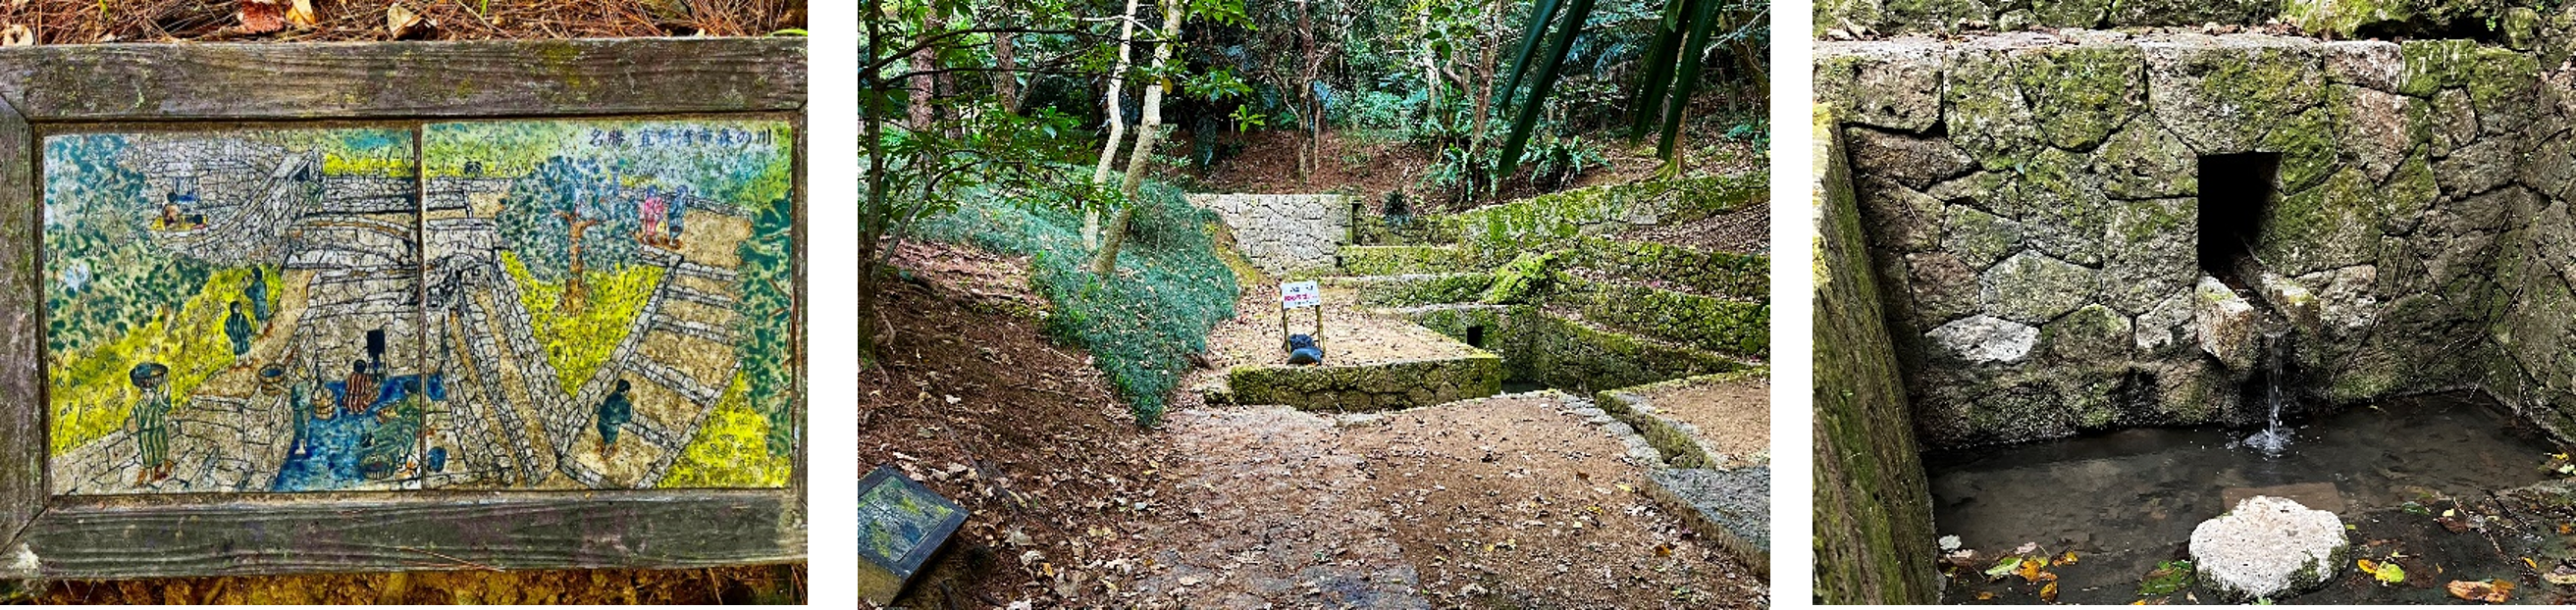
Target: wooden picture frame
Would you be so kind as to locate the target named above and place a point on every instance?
(45, 88)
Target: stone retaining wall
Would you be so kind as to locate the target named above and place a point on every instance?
(1282, 234)
(1369, 387)
(2032, 208)
(1873, 506)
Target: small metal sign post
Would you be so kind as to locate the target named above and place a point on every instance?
(1295, 295)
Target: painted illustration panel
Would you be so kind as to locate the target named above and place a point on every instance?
(611, 300)
(234, 311)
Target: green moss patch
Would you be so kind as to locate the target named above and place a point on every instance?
(1401, 260)
(1370, 387)
(1416, 290)
(1718, 274)
(1713, 324)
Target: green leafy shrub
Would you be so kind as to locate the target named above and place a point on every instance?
(1139, 326)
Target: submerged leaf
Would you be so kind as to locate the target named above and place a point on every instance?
(2167, 578)
(2030, 570)
(2386, 573)
(2003, 568)
(2048, 593)
(2494, 591)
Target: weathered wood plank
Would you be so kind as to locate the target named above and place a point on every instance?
(403, 79)
(796, 324)
(135, 537)
(22, 328)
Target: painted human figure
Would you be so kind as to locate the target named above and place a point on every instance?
(656, 212)
(361, 389)
(398, 429)
(679, 204)
(614, 412)
(238, 328)
(257, 292)
(150, 422)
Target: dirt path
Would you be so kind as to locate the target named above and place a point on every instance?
(1515, 501)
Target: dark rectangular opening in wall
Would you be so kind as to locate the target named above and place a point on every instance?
(2236, 193)
(1476, 337)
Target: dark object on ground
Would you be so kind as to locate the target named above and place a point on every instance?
(901, 525)
(1303, 351)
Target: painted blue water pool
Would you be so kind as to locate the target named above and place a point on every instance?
(328, 452)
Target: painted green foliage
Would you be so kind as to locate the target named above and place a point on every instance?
(586, 282)
(654, 258)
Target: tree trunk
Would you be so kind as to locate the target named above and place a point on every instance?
(1006, 82)
(1310, 149)
(1148, 127)
(873, 215)
(1749, 58)
(1117, 121)
(1484, 86)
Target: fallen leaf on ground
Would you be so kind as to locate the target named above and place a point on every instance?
(2066, 559)
(2048, 593)
(302, 14)
(262, 16)
(400, 21)
(2493, 591)
(2030, 570)
(2553, 578)
(1985, 595)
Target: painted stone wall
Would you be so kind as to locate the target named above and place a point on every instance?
(1873, 506)
(557, 304)
(1284, 233)
(2032, 206)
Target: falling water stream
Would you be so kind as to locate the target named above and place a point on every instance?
(2274, 439)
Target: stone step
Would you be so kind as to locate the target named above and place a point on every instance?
(1402, 260)
(1414, 289)
(1741, 277)
(1567, 352)
(1731, 508)
(1681, 444)
(1726, 326)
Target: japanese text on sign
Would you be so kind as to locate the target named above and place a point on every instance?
(1293, 295)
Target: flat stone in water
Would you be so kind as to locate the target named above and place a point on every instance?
(2267, 546)
(901, 524)
(1730, 507)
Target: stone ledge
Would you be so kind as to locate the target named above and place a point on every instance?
(1368, 387)
(1731, 508)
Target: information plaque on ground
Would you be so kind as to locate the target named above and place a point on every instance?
(901, 524)
(423, 306)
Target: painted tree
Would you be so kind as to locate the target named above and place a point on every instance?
(566, 217)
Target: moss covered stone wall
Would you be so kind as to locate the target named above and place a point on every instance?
(2539, 26)
(2031, 204)
(1873, 507)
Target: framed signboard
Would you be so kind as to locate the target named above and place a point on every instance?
(401, 306)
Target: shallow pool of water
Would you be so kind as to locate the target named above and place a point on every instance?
(2126, 500)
